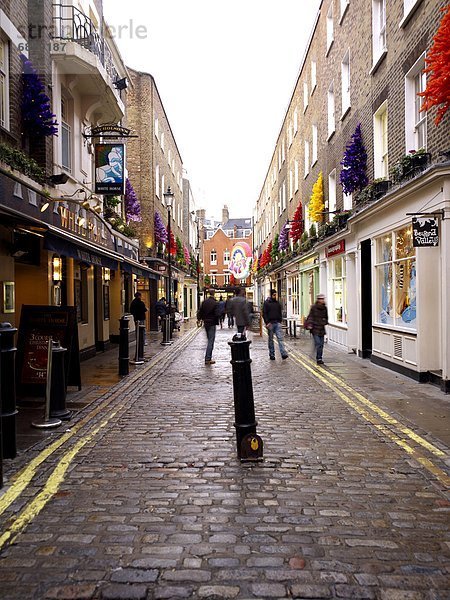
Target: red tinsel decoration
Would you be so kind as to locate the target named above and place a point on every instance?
(297, 224)
(437, 91)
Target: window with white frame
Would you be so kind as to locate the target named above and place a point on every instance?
(313, 75)
(331, 110)
(337, 308)
(279, 159)
(163, 183)
(213, 257)
(66, 135)
(295, 296)
(380, 142)
(226, 278)
(409, 6)
(157, 127)
(226, 257)
(280, 202)
(169, 156)
(343, 6)
(157, 191)
(283, 197)
(395, 272)
(295, 121)
(345, 80)
(347, 201)
(290, 135)
(4, 83)
(330, 27)
(283, 150)
(162, 141)
(378, 29)
(415, 119)
(306, 158)
(213, 278)
(305, 95)
(295, 175)
(331, 194)
(314, 143)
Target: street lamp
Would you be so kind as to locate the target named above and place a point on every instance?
(168, 199)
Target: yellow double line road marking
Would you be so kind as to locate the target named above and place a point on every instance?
(363, 406)
(25, 476)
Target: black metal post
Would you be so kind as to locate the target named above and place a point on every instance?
(8, 410)
(166, 326)
(249, 444)
(169, 272)
(58, 409)
(138, 354)
(141, 341)
(124, 357)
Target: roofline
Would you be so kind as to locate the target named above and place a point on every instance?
(302, 64)
(141, 73)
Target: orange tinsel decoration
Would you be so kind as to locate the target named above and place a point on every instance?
(437, 92)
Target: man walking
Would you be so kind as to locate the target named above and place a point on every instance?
(228, 311)
(240, 310)
(318, 317)
(209, 315)
(272, 318)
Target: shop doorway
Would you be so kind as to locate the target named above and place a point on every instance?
(366, 299)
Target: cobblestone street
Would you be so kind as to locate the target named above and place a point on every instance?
(143, 496)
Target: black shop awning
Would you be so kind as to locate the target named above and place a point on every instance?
(67, 248)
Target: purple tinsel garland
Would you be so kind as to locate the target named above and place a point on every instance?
(353, 175)
(36, 105)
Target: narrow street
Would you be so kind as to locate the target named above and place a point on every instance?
(143, 497)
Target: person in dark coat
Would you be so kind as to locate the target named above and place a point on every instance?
(318, 317)
(138, 310)
(272, 316)
(221, 311)
(240, 310)
(228, 312)
(161, 310)
(208, 313)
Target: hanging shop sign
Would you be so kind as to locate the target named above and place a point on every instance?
(425, 231)
(241, 260)
(109, 169)
(335, 249)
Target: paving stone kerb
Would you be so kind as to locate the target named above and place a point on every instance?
(157, 505)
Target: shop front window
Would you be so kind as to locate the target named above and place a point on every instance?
(338, 295)
(396, 279)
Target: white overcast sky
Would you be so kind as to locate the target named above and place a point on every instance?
(225, 72)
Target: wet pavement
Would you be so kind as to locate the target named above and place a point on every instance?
(141, 494)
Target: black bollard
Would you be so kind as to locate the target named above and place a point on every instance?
(249, 444)
(124, 346)
(138, 355)
(8, 390)
(166, 341)
(140, 345)
(58, 409)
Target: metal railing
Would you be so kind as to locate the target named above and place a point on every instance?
(70, 23)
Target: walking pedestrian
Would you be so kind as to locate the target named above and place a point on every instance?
(229, 312)
(318, 318)
(208, 313)
(272, 318)
(138, 310)
(221, 311)
(240, 310)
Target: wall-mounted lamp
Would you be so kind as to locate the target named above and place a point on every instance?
(121, 84)
(106, 274)
(58, 179)
(57, 268)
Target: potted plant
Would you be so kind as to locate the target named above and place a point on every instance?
(380, 187)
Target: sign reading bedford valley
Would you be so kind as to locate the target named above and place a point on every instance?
(425, 231)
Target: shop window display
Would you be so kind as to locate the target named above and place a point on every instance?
(396, 279)
(338, 310)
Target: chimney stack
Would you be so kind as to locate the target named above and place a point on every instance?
(225, 214)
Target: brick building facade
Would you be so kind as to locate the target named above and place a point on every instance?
(363, 65)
